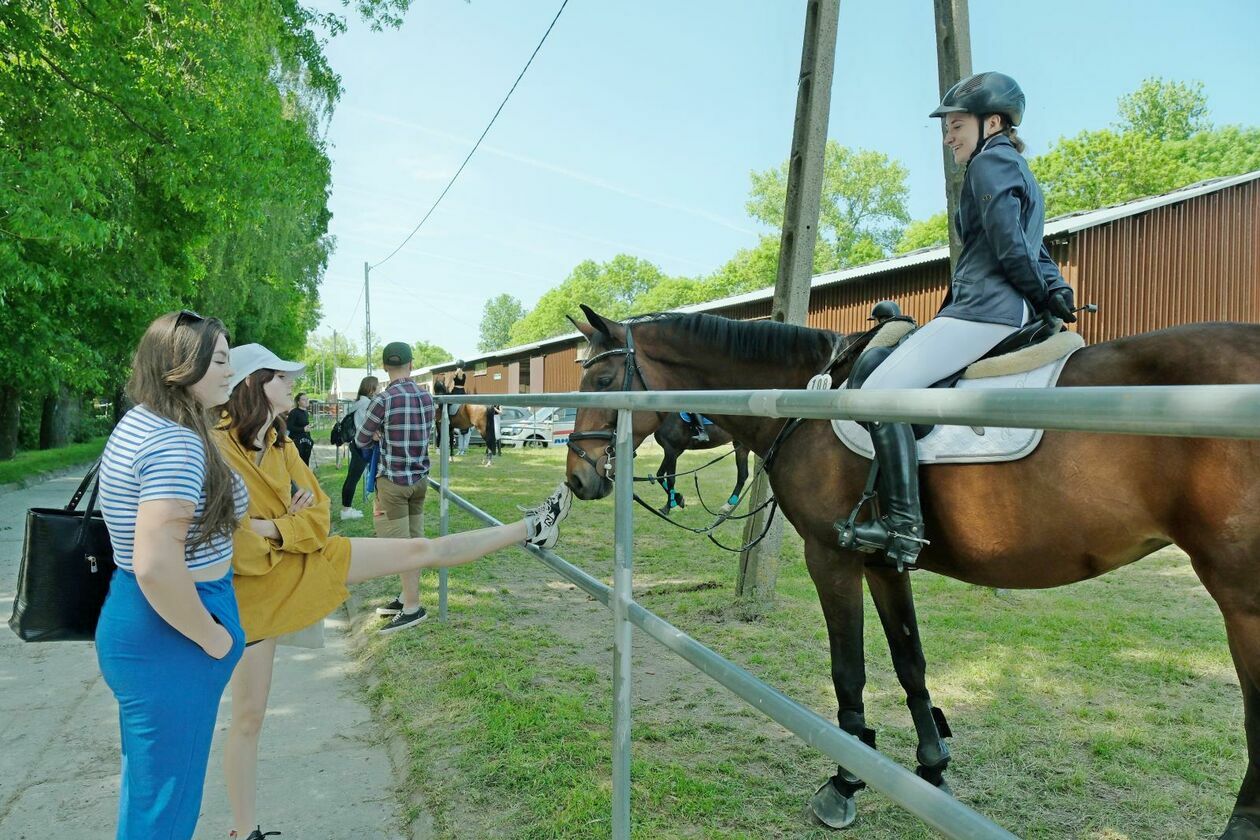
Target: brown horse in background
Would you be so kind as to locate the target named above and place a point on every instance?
(1080, 505)
(466, 417)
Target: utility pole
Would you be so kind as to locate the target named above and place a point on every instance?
(335, 366)
(953, 63)
(759, 565)
(367, 319)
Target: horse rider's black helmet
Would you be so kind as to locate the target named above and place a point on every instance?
(984, 94)
(884, 310)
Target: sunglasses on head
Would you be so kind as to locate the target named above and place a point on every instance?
(187, 316)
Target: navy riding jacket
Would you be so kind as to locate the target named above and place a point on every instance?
(1001, 220)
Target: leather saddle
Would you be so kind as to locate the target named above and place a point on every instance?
(888, 313)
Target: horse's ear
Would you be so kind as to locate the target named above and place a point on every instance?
(585, 329)
(595, 321)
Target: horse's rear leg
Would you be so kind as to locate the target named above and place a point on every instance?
(1230, 576)
(894, 601)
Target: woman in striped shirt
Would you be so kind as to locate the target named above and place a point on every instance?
(169, 633)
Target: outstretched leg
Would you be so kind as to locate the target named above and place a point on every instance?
(838, 578)
(894, 601)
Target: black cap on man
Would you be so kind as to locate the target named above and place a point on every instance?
(396, 354)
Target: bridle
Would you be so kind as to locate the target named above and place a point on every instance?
(627, 383)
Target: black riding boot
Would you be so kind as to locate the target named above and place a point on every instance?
(900, 529)
(698, 434)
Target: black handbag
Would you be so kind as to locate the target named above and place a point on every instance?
(67, 563)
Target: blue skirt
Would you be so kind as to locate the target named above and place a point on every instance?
(168, 691)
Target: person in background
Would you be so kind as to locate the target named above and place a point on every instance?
(358, 460)
(289, 572)
(492, 434)
(458, 380)
(169, 632)
(299, 423)
(401, 416)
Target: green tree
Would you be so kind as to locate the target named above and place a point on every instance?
(1163, 142)
(673, 292)
(862, 209)
(1164, 110)
(612, 288)
(423, 354)
(924, 233)
(500, 314)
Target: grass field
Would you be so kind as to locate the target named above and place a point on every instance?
(34, 463)
(1105, 710)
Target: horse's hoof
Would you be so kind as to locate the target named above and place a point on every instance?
(944, 787)
(1241, 828)
(665, 510)
(832, 809)
(725, 510)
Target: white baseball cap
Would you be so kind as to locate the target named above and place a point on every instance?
(251, 358)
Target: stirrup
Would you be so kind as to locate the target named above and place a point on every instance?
(853, 540)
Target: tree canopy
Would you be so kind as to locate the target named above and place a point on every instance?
(157, 156)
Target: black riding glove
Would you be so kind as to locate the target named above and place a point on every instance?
(1061, 303)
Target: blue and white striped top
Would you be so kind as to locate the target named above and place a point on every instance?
(149, 457)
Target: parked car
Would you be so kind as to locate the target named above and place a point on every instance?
(546, 427)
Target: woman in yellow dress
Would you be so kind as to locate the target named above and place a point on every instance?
(289, 572)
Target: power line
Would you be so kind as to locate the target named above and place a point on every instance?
(451, 183)
(354, 311)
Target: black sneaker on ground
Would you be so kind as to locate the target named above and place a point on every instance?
(404, 620)
(394, 607)
(259, 834)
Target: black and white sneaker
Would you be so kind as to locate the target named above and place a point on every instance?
(404, 620)
(544, 520)
(394, 607)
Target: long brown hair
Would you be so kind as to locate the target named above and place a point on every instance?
(173, 354)
(368, 386)
(248, 410)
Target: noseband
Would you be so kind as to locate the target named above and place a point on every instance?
(627, 383)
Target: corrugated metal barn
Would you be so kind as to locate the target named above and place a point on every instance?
(1189, 255)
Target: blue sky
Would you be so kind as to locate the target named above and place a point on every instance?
(638, 124)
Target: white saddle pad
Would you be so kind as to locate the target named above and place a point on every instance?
(965, 444)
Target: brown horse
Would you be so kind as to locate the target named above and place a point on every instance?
(1115, 499)
(466, 417)
(675, 437)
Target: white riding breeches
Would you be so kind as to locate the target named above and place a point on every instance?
(937, 349)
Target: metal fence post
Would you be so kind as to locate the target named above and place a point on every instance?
(444, 506)
(622, 628)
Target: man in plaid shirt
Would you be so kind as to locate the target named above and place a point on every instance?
(400, 417)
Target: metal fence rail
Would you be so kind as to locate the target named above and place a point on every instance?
(1193, 411)
(937, 809)
(1182, 410)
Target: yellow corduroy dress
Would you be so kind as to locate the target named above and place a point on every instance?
(287, 584)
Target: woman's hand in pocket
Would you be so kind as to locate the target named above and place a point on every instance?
(220, 644)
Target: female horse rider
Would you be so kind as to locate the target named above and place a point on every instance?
(1003, 276)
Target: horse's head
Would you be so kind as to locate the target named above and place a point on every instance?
(616, 360)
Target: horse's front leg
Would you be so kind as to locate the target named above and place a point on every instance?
(838, 578)
(894, 602)
(665, 476)
(741, 476)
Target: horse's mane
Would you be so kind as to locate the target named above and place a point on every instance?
(748, 341)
